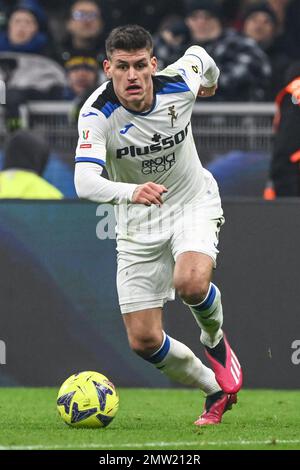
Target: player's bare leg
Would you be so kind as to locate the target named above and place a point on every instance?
(144, 330)
(192, 279)
(174, 359)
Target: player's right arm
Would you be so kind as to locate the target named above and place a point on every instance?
(90, 160)
(149, 193)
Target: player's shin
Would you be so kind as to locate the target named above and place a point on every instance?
(209, 316)
(179, 363)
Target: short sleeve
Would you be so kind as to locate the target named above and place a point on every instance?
(197, 68)
(92, 126)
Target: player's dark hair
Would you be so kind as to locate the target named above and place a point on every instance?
(128, 38)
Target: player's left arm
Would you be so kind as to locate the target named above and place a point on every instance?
(209, 71)
(199, 71)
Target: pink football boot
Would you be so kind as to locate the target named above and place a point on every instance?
(226, 366)
(213, 414)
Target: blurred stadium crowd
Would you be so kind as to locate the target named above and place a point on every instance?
(53, 50)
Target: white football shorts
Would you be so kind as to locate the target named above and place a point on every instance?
(146, 261)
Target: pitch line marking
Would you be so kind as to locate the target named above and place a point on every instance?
(151, 444)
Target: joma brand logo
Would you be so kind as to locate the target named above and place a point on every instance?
(158, 145)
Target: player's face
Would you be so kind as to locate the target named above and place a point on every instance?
(131, 73)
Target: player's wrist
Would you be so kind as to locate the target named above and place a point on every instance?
(208, 84)
(131, 190)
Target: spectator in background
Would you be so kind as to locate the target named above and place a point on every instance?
(82, 77)
(245, 68)
(261, 24)
(85, 28)
(285, 164)
(278, 6)
(25, 158)
(82, 80)
(27, 30)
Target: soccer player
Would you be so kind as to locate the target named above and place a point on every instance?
(168, 209)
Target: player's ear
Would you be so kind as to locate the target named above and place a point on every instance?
(153, 61)
(106, 68)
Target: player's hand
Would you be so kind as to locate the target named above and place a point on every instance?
(149, 193)
(205, 92)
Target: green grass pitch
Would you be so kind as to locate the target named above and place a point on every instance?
(152, 419)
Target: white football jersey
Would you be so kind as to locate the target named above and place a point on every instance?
(157, 145)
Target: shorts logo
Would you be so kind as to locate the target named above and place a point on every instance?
(85, 135)
(195, 68)
(158, 165)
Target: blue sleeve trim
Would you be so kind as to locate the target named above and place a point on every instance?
(178, 87)
(90, 160)
(109, 108)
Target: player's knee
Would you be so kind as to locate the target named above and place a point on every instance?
(191, 291)
(145, 345)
